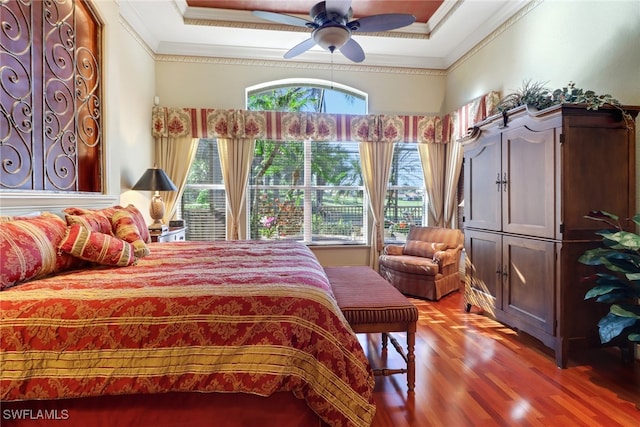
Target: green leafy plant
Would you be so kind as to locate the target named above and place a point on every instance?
(620, 254)
(535, 94)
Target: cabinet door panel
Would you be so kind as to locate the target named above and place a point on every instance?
(528, 198)
(484, 257)
(529, 281)
(482, 194)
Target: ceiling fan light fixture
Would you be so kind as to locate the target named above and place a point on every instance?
(331, 37)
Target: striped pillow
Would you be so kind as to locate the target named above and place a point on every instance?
(125, 227)
(143, 230)
(97, 247)
(29, 248)
(93, 221)
(422, 249)
(138, 219)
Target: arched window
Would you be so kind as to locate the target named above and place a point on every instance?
(302, 190)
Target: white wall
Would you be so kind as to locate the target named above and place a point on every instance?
(595, 44)
(190, 82)
(129, 89)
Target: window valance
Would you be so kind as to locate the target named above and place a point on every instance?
(213, 123)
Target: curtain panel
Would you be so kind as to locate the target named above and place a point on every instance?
(299, 126)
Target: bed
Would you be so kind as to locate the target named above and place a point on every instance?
(211, 333)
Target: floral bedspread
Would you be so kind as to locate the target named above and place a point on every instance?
(241, 316)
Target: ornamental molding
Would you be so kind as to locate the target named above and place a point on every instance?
(300, 65)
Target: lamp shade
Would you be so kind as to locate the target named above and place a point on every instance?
(155, 179)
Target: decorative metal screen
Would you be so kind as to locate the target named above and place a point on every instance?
(50, 88)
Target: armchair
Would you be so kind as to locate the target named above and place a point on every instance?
(427, 265)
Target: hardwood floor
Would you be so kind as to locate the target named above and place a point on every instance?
(473, 371)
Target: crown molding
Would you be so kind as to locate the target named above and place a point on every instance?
(133, 33)
(300, 65)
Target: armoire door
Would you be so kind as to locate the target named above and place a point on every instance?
(528, 204)
(529, 281)
(482, 184)
(484, 268)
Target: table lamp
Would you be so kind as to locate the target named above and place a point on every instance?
(155, 179)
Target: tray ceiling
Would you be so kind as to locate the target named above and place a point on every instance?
(443, 32)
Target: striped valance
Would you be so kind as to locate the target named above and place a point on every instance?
(213, 123)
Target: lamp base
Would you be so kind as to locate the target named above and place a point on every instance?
(156, 211)
(158, 227)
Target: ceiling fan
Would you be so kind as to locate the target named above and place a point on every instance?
(332, 29)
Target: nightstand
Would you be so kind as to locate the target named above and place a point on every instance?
(173, 234)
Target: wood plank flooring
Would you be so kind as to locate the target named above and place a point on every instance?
(473, 371)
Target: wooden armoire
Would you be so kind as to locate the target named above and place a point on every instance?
(529, 180)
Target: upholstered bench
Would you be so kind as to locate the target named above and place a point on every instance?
(371, 305)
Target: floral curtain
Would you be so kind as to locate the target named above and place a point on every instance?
(441, 153)
(212, 123)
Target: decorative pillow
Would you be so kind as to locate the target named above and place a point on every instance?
(29, 248)
(107, 212)
(143, 230)
(125, 228)
(93, 221)
(138, 218)
(423, 249)
(97, 247)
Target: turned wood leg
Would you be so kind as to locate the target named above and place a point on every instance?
(411, 357)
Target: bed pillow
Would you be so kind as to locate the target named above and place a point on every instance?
(93, 221)
(125, 228)
(29, 248)
(138, 219)
(107, 212)
(143, 230)
(423, 249)
(97, 247)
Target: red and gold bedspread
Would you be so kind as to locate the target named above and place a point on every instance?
(241, 316)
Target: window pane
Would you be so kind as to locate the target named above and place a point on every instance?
(204, 200)
(338, 216)
(276, 213)
(307, 191)
(405, 202)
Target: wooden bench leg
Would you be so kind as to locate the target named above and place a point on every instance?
(411, 358)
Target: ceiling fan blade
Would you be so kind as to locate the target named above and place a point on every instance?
(353, 51)
(300, 48)
(384, 22)
(281, 18)
(340, 7)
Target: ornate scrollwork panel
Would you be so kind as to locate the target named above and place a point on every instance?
(50, 88)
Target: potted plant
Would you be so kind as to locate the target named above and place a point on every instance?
(535, 96)
(620, 287)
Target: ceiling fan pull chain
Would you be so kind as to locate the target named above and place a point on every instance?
(331, 70)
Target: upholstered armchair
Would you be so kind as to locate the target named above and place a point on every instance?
(427, 265)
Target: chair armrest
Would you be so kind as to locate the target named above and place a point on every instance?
(393, 250)
(446, 257)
